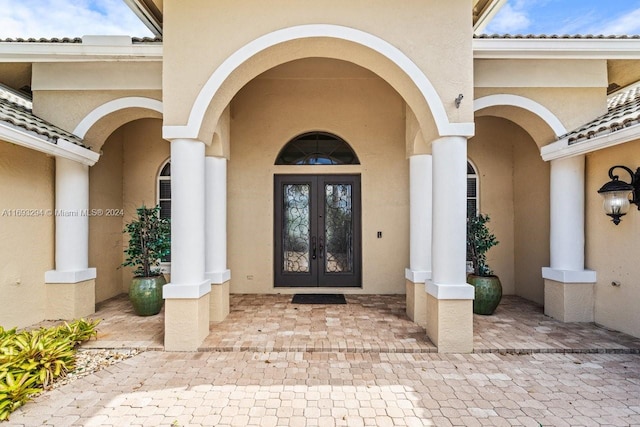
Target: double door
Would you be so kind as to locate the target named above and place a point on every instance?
(317, 231)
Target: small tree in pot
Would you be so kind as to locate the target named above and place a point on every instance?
(488, 289)
(149, 242)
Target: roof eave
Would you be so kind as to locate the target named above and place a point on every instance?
(62, 148)
(78, 52)
(556, 48)
(561, 149)
(148, 13)
(486, 15)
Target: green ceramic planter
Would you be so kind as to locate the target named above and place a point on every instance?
(145, 293)
(487, 295)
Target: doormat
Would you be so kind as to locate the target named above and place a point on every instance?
(318, 299)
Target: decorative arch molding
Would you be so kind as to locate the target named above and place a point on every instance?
(242, 55)
(112, 106)
(525, 103)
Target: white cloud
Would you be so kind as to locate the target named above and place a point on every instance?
(628, 24)
(510, 19)
(64, 18)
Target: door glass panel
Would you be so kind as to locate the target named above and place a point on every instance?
(338, 250)
(296, 228)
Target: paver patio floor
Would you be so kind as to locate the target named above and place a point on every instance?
(368, 323)
(254, 376)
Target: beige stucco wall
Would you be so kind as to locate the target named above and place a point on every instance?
(124, 178)
(573, 90)
(105, 232)
(26, 252)
(421, 30)
(79, 103)
(612, 251)
(514, 186)
(369, 115)
(531, 216)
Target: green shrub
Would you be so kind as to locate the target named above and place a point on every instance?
(31, 360)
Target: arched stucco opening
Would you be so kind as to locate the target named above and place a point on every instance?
(128, 133)
(538, 121)
(317, 41)
(102, 121)
(515, 187)
(332, 96)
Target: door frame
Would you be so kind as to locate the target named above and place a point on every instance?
(318, 279)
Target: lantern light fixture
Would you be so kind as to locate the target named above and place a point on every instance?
(616, 193)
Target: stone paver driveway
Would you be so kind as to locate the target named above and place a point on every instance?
(348, 389)
(527, 370)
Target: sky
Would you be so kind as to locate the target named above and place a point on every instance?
(75, 18)
(68, 18)
(608, 17)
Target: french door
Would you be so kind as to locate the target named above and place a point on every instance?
(317, 231)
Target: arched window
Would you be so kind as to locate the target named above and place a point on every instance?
(317, 148)
(473, 205)
(164, 195)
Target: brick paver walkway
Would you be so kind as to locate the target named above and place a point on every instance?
(539, 372)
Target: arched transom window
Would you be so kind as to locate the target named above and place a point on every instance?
(317, 148)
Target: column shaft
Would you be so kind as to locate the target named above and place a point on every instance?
(187, 212)
(420, 197)
(72, 215)
(216, 218)
(567, 214)
(449, 251)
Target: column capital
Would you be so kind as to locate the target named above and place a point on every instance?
(194, 140)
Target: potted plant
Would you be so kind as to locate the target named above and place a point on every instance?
(488, 289)
(149, 242)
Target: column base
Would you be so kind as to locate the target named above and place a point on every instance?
(70, 300)
(219, 307)
(417, 303)
(569, 302)
(186, 322)
(450, 317)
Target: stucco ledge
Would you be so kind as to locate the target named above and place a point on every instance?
(569, 276)
(447, 291)
(186, 291)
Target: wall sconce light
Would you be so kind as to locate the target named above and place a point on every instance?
(616, 193)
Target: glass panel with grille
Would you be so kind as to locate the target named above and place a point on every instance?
(296, 228)
(338, 229)
(472, 191)
(164, 197)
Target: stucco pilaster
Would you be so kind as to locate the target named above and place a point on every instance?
(186, 321)
(566, 272)
(216, 235)
(447, 289)
(420, 222)
(72, 224)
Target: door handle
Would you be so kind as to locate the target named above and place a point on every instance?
(321, 247)
(313, 247)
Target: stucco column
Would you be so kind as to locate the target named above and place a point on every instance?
(450, 298)
(187, 296)
(574, 302)
(216, 236)
(420, 218)
(72, 282)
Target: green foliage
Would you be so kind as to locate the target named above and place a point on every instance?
(149, 241)
(479, 241)
(31, 360)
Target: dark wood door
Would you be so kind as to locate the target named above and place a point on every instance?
(317, 231)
